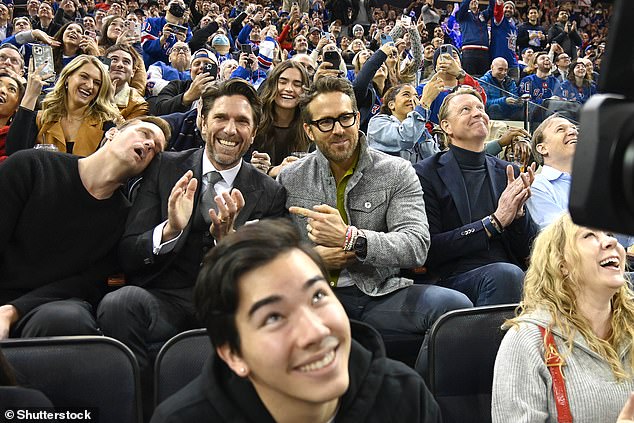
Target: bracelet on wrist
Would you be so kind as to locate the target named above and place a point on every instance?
(351, 238)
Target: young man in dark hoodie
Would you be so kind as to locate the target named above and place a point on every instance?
(285, 350)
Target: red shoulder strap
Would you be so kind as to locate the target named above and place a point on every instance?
(554, 362)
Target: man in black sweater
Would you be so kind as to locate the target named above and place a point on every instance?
(480, 230)
(62, 218)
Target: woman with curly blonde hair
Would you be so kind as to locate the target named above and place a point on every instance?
(74, 115)
(575, 289)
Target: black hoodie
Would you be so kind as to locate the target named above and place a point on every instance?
(381, 390)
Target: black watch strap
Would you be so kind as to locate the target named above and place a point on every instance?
(361, 246)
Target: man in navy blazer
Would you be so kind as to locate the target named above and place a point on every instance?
(480, 230)
(173, 223)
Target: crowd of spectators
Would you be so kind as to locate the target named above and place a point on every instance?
(265, 109)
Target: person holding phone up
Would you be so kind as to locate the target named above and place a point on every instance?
(181, 96)
(448, 68)
(248, 67)
(157, 37)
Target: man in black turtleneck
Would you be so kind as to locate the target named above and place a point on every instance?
(480, 230)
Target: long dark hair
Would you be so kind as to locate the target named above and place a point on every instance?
(267, 94)
(58, 52)
(571, 75)
(104, 41)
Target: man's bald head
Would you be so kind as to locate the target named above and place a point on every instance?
(499, 68)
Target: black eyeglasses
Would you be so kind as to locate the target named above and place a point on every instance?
(346, 120)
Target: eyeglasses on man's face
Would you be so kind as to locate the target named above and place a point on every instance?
(346, 120)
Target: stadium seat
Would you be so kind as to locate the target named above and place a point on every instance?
(179, 362)
(462, 349)
(80, 372)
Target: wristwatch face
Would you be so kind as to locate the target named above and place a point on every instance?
(360, 245)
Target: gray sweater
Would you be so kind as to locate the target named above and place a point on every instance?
(522, 385)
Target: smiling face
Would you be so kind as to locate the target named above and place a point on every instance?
(32, 7)
(499, 68)
(509, 10)
(72, 35)
(121, 67)
(559, 143)
(89, 23)
(229, 129)
(602, 267)
(197, 65)
(83, 85)
(45, 12)
(116, 28)
(466, 124)
(287, 309)
(300, 44)
(580, 70)
(533, 15)
(563, 61)
(9, 96)
(404, 102)
(543, 63)
(289, 89)
(340, 144)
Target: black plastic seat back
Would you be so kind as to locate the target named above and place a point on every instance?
(463, 345)
(80, 371)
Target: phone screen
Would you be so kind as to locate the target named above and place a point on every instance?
(386, 39)
(333, 57)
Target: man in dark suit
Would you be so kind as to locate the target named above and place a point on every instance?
(172, 223)
(480, 230)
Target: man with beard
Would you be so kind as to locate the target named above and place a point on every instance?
(187, 202)
(565, 34)
(300, 46)
(160, 74)
(181, 95)
(540, 85)
(531, 34)
(365, 213)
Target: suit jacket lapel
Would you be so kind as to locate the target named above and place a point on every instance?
(246, 182)
(451, 175)
(194, 163)
(497, 178)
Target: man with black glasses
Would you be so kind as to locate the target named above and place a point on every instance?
(365, 213)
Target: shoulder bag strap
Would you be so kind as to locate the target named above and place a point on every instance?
(554, 362)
